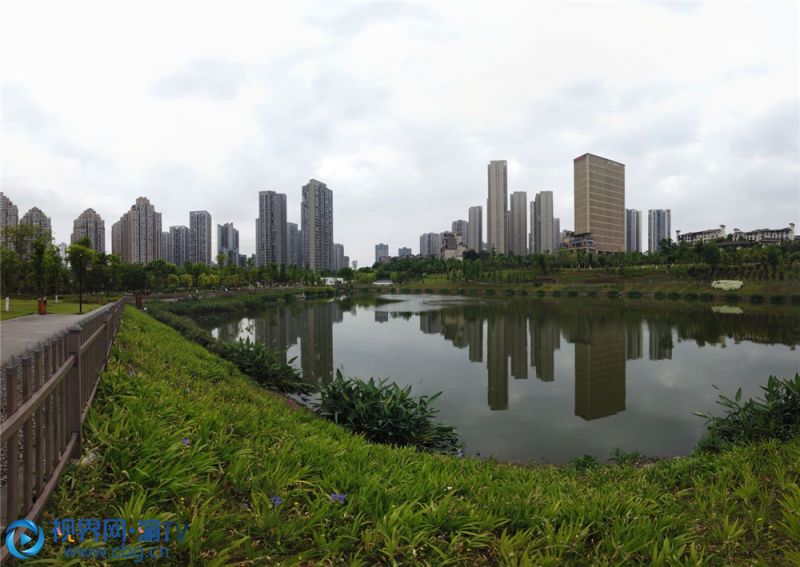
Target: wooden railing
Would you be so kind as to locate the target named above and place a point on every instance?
(46, 396)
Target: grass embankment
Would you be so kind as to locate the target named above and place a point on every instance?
(22, 307)
(603, 281)
(245, 446)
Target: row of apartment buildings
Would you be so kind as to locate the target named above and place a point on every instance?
(137, 237)
(602, 223)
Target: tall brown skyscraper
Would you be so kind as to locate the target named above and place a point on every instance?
(600, 201)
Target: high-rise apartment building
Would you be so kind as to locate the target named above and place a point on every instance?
(200, 237)
(381, 253)
(36, 218)
(659, 227)
(338, 257)
(556, 234)
(90, 225)
(166, 247)
(633, 230)
(9, 216)
(600, 201)
(460, 228)
(228, 242)
(475, 229)
(271, 229)
(317, 225)
(136, 236)
(518, 228)
(497, 207)
(179, 240)
(294, 245)
(543, 223)
(430, 244)
(404, 252)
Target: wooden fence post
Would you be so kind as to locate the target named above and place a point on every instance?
(74, 387)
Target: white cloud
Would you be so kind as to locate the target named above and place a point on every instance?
(398, 107)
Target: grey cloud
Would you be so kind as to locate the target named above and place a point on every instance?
(23, 113)
(772, 133)
(213, 79)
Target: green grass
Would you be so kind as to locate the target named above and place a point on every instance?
(602, 281)
(22, 307)
(402, 506)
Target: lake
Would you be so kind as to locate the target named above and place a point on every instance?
(528, 380)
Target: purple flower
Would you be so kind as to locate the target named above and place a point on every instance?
(276, 500)
(340, 498)
(185, 441)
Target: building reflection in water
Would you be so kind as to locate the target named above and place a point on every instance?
(517, 344)
(497, 363)
(660, 332)
(545, 340)
(603, 341)
(635, 340)
(599, 369)
(312, 326)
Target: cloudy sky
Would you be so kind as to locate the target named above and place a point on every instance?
(398, 107)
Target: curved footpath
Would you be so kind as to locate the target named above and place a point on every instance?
(178, 434)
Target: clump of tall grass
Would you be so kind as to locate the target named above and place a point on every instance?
(385, 413)
(775, 416)
(264, 365)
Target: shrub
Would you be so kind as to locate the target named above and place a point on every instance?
(614, 294)
(263, 365)
(756, 298)
(690, 296)
(732, 298)
(509, 292)
(523, 292)
(572, 293)
(428, 290)
(660, 295)
(584, 463)
(592, 293)
(489, 291)
(777, 299)
(556, 293)
(706, 297)
(635, 294)
(540, 292)
(385, 413)
(776, 416)
(795, 299)
(673, 295)
(460, 291)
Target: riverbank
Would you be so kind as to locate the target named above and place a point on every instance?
(177, 433)
(654, 284)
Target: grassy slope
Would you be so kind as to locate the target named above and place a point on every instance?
(603, 281)
(21, 307)
(402, 506)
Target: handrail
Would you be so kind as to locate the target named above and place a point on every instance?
(48, 392)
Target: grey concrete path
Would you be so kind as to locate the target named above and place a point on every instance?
(18, 335)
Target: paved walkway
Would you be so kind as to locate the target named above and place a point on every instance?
(19, 334)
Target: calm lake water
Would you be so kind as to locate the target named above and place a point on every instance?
(540, 380)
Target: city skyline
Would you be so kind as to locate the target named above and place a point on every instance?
(695, 121)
